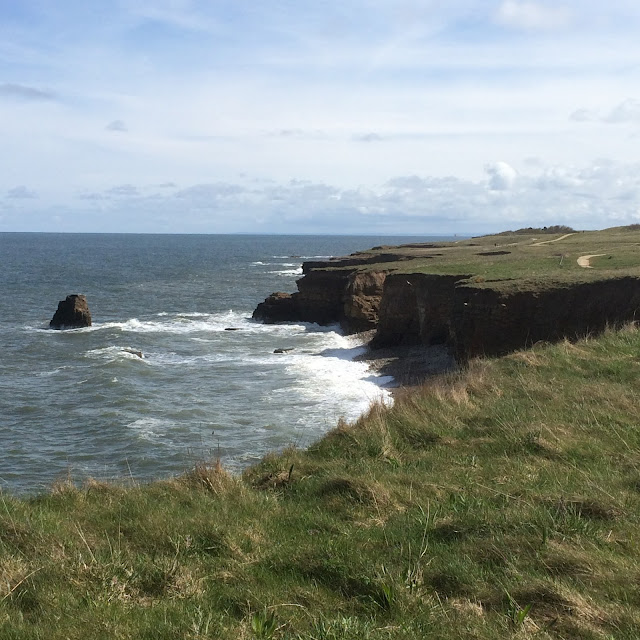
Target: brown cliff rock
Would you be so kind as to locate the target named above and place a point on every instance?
(433, 309)
(72, 313)
(362, 298)
(416, 308)
(320, 298)
(487, 322)
(471, 316)
(278, 307)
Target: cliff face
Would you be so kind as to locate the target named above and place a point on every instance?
(328, 296)
(416, 309)
(487, 322)
(429, 309)
(362, 298)
(320, 298)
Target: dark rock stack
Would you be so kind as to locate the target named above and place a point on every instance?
(278, 307)
(73, 312)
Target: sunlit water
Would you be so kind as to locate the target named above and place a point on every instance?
(78, 402)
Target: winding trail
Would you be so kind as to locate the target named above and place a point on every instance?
(566, 235)
(583, 261)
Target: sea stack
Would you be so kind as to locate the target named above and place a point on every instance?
(73, 312)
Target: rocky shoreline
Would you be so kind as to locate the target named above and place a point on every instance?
(408, 365)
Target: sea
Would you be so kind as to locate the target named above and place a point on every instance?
(79, 403)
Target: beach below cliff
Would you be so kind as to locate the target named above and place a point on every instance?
(408, 365)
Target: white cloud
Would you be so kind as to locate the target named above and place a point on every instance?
(583, 115)
(627, 111)
(533, 16)
(601, 194)
(122, 190)
(24, 92)
(117, 125)
(21, 193)
(368, 137)
(502, 176)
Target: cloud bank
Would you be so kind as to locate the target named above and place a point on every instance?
(23, 92)
(594, 196)
(532, 15)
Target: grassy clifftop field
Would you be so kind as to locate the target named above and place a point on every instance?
(503, 502)
(523, 259)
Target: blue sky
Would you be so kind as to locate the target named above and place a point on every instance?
(411, 116)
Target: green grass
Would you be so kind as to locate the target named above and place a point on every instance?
(524, 263)
(503, 502)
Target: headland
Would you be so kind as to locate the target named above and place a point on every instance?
(481, 296)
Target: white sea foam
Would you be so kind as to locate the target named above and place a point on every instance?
(116, 352)
(45, 374)
(149, 428)
(331, 378)
(178, 323)
(193, 314)
(289, 272)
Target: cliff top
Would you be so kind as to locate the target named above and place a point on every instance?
(522, 259)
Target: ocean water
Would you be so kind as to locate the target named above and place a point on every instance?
(77, 402)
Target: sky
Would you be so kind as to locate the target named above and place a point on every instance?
(337, 116)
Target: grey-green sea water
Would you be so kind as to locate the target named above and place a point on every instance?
(77, 402)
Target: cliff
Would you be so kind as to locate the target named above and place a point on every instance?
(424, 309)
(328, 295)
(476, 301)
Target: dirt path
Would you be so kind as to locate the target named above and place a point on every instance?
(566, 235)
(583, 261)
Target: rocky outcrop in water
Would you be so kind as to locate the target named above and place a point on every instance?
(72, 313)
(278, 307)
(328, 295)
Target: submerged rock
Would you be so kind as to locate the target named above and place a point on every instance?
(286, 350)
(72, 313)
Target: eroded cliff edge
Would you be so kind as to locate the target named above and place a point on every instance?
(335, 291)
(476, 301)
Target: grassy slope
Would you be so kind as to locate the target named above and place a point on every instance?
(525, 263)
(500, 503)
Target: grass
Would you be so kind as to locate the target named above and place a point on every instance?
(503, 502)
(524, 259)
